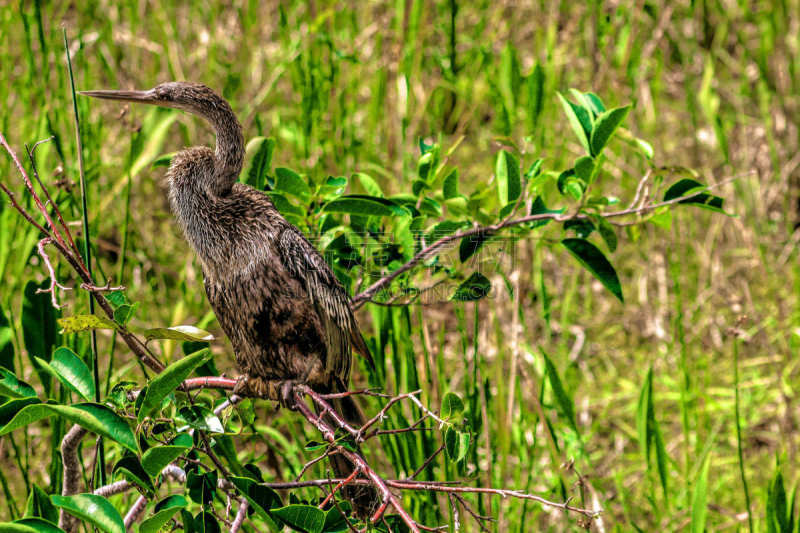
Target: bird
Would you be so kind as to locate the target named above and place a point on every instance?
(287, 316)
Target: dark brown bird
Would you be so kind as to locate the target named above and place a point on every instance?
(287, 316)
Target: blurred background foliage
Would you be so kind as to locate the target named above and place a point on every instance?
(353, 87)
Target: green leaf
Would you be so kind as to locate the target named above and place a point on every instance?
(72, 372)
(201, 418)
(443, 229)
(93, 509)
(305, 518)
(202, 486)
(284, 206)
(30, 525)
(94, 417)
(566, 406)
(39, 327)
(507, 173)
(584, 166)
(131, 469)
(452, 406)
(582, 227)
(168, 380)
(685, 187)
(164, 160)
(78, 323)
(289, 181)
(124, 313)
(10, 409)
(39, 505)
(471, 244)
(14, 388)
(262, 499)
(645, 147)
(456, 444)
(6, 342)
(595, 262)
(450, 185)
(260, 164)
(538, 207)
(606, 231)
(569, 184)
(179, 333)
(535, 82)
(357, 204)
(154, 523)
(604, 127)
(580, 120)
(336, 518)
(644, 408)
(369, 184)
(780, 515)
(594, 103)
(699, 499)
(156, 458)
(475, 287)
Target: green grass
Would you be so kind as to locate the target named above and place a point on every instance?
(715, 88)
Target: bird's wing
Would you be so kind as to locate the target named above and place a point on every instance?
(329, 297)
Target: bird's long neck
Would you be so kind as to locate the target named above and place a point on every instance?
(229, 151)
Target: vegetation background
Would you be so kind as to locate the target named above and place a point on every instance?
(352, 87)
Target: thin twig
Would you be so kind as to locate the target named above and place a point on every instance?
(54, 284)
(366, 295)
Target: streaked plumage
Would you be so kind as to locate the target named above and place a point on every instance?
(285, 313)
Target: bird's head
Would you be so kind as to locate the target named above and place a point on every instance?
(194, 98)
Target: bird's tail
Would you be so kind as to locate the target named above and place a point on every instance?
(364, 498)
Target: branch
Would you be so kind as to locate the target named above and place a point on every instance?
(429, 251)
(73, 256)
(72, 474)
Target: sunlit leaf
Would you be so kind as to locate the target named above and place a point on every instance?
(456, 444)
(450, 185)
(305, 518)
(290, 182)
(356, 204)
(72, 372)
(580, 120)
(263, 499)
(259, 150)
(201, 418)
(452, 406)
(30, 525)
(77, 323)
(369, 184)
(179, 333)
(168, 380)
(506, 172)
(13, 387)
(131, 469)
(39, 505)
(700, 498)
(94, 417)
(93, 509)
(605, 125)
(156, 458)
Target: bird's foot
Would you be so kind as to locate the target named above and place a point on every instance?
(278, 390)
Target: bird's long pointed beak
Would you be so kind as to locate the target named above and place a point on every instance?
(145, 97)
